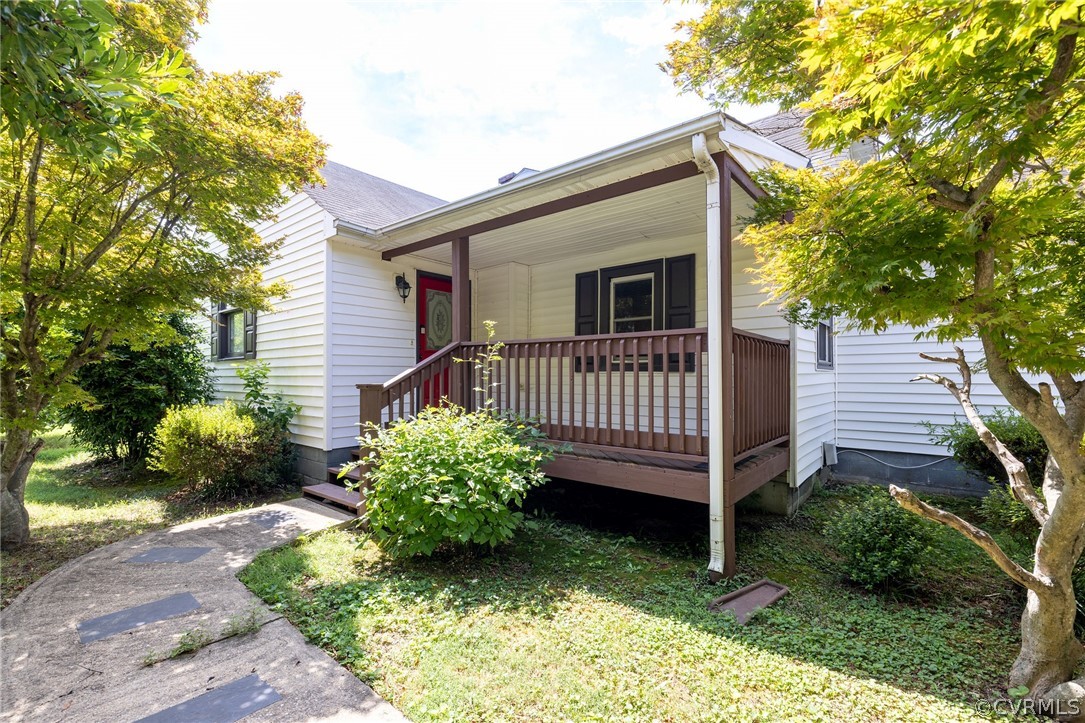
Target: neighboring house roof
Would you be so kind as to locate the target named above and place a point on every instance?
(359, 198)
(786, 128)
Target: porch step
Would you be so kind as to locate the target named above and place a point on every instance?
(355, 475)
(334, 494)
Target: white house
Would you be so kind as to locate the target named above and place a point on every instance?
(635, 329)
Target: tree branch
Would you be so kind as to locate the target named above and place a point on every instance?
(1020, 484)
(982, 539)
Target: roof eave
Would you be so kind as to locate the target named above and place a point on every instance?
(709, 123)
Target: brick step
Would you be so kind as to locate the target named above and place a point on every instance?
(334, 494)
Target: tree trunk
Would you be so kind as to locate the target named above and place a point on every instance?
(19, 452)
(1049, 648)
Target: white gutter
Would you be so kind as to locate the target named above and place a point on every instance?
(708, 167)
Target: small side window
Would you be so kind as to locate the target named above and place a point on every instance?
(826, 352)
(233, 334)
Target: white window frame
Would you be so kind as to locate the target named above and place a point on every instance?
(825, 356)
(624, 280)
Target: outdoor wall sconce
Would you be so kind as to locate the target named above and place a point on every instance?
(403, 287)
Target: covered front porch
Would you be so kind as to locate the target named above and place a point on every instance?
(616, 290)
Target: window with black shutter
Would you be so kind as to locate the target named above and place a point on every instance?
(644, 296)
(233, 333)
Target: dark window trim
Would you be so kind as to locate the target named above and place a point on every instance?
(597, 284)
(220, 334)
(654, 267)
(825, 361)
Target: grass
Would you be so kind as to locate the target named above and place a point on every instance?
(589, 623)
(194, 639)
(77, 505)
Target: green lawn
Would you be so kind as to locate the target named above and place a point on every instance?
(77, 505)
(572, 623)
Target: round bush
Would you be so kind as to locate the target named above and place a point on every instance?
(1013, 430)
(882, 544)
(133, 388)
(222, 451)
(450, 477)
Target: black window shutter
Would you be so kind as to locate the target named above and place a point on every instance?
(250, 334)
(216, 321)
(587, 303)
(681, 312)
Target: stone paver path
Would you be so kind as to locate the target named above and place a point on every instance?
(73, 645)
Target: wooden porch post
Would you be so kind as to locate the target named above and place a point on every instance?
(461, 313)
(369, 411)
(727, 373)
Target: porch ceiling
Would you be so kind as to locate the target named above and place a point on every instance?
(664, 212)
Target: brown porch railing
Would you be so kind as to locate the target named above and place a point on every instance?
(762, 392)
(435, 378)
(641, 391)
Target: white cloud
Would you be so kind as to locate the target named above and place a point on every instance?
(446, 97)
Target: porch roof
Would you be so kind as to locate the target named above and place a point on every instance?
(673, 203)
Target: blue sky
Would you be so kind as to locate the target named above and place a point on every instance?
(446, 97)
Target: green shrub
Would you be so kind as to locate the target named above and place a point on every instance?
(882, 544)
(1013, 430)
(221, 451)
(450, 477)
(133, 388)
(1000, 509)
(260, 402)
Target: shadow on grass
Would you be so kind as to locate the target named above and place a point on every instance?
(77, 504)
(954, 639)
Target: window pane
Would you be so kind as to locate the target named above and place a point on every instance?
(236, 329)
(632, 298)
(631, 325)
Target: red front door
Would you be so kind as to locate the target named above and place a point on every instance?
(434, 328)
(434, 314)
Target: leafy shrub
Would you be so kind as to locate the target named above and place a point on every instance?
(131, 390)
(882, 544)
(1013, 430)
(450, 477)
(221, 451)
(1002, 510)
(264, 405)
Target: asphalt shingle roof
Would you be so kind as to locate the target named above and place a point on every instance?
(785, 128)
(356, 197)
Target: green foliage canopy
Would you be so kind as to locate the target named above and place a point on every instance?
(63, 76)
(974, 216)
(96, 253)
(132, 390)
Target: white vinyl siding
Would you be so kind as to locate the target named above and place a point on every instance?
(291, 338)
(373, 332)
(879, 409)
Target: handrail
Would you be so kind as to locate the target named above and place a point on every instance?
(762, 337)
(640, 391)
(762, 374)
(428, 361)
(598, 337)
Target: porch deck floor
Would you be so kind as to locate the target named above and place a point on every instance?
(678, 476)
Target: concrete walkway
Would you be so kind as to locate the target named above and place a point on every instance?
(72, 646)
